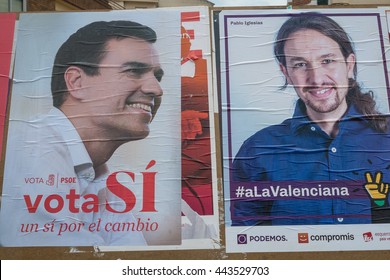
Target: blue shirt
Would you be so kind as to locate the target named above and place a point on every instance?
(299, 150)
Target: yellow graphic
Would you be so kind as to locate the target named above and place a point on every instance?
(377, 189)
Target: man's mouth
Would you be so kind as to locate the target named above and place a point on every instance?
(320, 92)
(323, 91)
(141, 106)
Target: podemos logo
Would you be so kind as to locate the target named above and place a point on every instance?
(243, 238)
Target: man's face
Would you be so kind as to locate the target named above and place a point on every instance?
(123, 98)
(319, 72)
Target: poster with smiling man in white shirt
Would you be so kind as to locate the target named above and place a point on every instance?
(76, 174)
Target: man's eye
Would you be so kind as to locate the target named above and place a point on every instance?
(134, 71)
(299, 65)
(327, 61)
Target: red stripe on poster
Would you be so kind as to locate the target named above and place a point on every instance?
(190, 16)
(7, 23)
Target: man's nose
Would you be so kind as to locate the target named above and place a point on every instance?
(151, 85)
(315, 75)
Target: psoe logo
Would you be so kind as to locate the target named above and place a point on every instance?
(242, 239)
(303, 237)
(50, 180)
(367, 236)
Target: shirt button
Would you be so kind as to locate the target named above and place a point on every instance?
(340, 220)
(313, 128)
(333, 150)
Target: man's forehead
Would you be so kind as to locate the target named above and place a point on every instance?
(123, 50)
(307, 35)
(306, 41)
(133, 43)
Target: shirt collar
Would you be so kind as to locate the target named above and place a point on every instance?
(81, 160)
(300, 118)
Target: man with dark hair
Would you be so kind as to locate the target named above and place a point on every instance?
(335, 134)
(106, 91)
(106, 77)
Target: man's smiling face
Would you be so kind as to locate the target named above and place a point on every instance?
(317, 69)
(124, 97)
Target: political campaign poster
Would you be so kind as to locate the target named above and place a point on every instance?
(94, 151)
(7, 21)
(305, 129)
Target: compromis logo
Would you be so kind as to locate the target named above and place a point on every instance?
(367, 236)
(242, 239)
(324, 237)
(303, 237)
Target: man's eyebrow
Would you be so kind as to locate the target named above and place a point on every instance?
(299, 58)
(328, 55)
(294, 58)
(137, 65)
(143, 68)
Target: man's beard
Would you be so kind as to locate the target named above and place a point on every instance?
(327, 107)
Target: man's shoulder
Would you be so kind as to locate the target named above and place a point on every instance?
(273, 132)
(40, 130)
(37, 139)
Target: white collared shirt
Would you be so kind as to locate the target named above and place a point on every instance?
(46, 160)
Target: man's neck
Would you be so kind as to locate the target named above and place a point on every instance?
(100, 147)
(99, 151)
(329, 122)
(330, 127)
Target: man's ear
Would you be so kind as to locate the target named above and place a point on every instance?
(351, 62)
(285, 73)
(73, 79)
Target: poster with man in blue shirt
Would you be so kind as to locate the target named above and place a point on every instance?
(328, 163)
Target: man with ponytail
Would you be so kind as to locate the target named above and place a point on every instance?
(335, 135)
